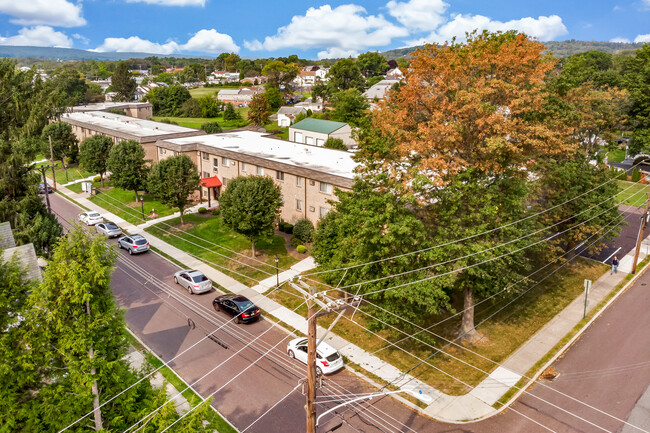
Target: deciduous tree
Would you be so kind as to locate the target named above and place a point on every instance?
(127, 166)
(349, 106)
(94, 152)
(173, 180)
(258, 112)
(345, 74)
(372, 63)
(250, 205)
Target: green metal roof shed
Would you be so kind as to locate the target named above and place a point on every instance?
(318, 125)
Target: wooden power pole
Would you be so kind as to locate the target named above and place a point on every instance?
(639, 238)
(310, 407)
(43, 169)
(52, 162)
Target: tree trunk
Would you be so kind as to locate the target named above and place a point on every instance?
(253, 247)
(97, 413)
(101, 176)
(467, 333)
(182, 220)
(137, 199)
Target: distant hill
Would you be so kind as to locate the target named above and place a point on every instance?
(558, 48)
(67, 54)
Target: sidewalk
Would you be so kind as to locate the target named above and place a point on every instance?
(476, 404)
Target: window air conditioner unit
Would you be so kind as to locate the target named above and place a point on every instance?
(312, 209)
(312, 182)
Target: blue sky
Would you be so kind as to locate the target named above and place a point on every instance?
(307, 28)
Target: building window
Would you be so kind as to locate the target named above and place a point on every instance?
(309, 140)
(323, 211)
(205, 155)
(215, 164)
(299, 180)
(279, 175)
(206, 174)
(282, 199)
(326, 187)
(161, 150)
(260, 171)
(225, 161)
(298, 204)
(320, 142)
(224, 181)
(243, 166)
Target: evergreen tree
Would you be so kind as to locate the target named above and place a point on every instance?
(123, 83)
(64, 142)
(230, 113)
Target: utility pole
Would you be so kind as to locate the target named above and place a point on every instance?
(644, 220)
(310, 407)
(43, 169)
(52, 162)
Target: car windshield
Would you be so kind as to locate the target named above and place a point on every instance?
(94, 214)
(140, 241)
(199, 278)
(245, 305)
(112, 227)
(333, 357)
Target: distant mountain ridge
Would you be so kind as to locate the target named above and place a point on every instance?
(67, 54)
(558, 48)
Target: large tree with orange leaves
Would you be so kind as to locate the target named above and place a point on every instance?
(466, 105)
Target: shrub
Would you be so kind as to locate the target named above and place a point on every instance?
(202, 210)
(211, 127)
(281, 226)
(97, 179)
(636, 175)
(335, 143)
(191, 108)
(301, 249)
(295, 241)
(169, 121)
(288, 228)
(304, 230)
(215, 211)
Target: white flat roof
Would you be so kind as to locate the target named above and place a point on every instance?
(332, 161)
(99, 106)
(127, 125)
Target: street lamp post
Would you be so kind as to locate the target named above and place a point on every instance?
(277, 272)
(142, 206)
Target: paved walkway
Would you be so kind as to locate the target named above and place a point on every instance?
(473, 405)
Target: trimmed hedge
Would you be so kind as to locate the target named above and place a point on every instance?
(202, 210)
(301, 249)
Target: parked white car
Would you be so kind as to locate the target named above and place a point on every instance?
(328, 359)
(193, 281)
(91, 217)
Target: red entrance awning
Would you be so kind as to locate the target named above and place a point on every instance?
(211, 182)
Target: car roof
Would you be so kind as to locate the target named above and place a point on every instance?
(134, 237)
(195, 272)
(323, 348)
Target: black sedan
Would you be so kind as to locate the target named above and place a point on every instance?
(238, 306)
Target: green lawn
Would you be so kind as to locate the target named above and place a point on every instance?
(638, 190)
(74, 173)
(202, 91)
(211, 229)
(196, 122)
(274, 126)
(122, 203)
(617, 155)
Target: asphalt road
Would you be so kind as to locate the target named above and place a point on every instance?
(609, 367)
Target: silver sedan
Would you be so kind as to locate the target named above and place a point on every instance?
(193, 281)
(108, 229)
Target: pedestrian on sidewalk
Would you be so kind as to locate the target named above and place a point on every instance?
(614, 265)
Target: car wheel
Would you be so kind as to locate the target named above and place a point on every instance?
(176, 280)
(130, 252)
(291, 354)
(119, 244)
(216, 307)
(238, 319)
(189, 289)
(319, 372)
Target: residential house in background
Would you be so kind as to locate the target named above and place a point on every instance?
(223, 76)
(309, 104)
(394, 74)
(310, 75)
(239, 97)
(316, 131)
(380, 90)
(307, 175)
(287, 115)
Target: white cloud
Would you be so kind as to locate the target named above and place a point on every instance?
(38, 36)
(84, 40)
(171, 2)
(542, 28)
(620, 39)
(337, 53)
(211, 41)
(642, 38)
(60, 13)
(422, 15)
(135, 44)
(346, 28)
